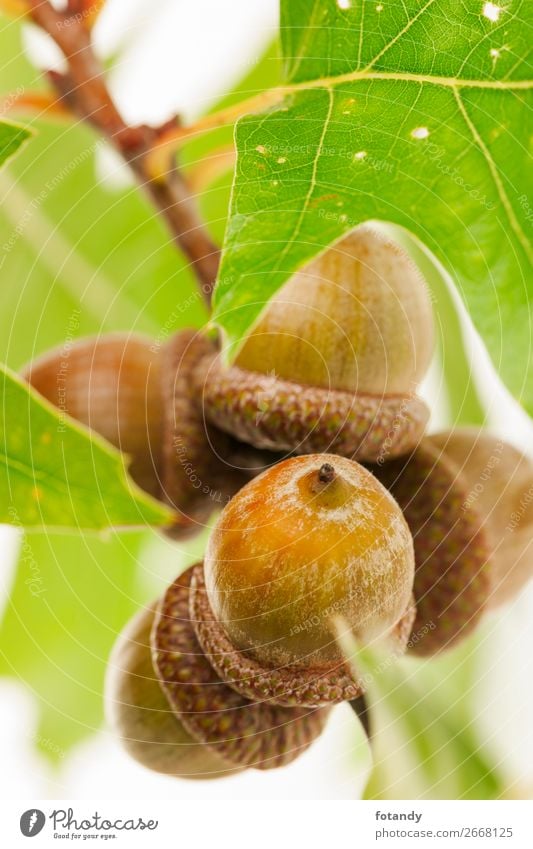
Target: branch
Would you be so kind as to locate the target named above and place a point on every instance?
(173, 137)
(83, 89)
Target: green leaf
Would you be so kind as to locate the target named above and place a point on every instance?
(200, 150)
(11, 138)
(423, 739)
(71, 597)
(55, 473)
(413, 113)
(76, 256)
(465, 405)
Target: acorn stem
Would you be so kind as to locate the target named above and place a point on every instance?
(326, 473)
(361, 710)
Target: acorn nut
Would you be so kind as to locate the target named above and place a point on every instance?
(334, 361)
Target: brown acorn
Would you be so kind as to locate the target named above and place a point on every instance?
(334, 361)
(198, 474)
(139, 714)
(467, 498)
(139, 396)
(500, 486)
(174, 714)
(452, 583)
(110, 383)
(313, 542)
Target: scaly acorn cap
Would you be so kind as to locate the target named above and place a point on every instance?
(500, 485)
(139, 713)
(197, 473)
(287, 685)
(452, 551)
(202, 467)
(335, 358)
(280, 415)
(245, 733)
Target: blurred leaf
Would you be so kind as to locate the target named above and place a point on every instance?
(11, 138)
(76, 256)
(466, 407)
(79, 258)
(375, 124)
(71, 597)
(426, 748)
(199, 151)
(422, 732)
(55, 472)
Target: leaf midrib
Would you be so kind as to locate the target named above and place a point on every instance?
(448, 82)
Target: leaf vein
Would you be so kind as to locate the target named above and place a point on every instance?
(524, 241)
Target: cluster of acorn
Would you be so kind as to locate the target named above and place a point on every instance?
(239, 663)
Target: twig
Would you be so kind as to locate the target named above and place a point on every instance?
(171, 140)
(83, 89)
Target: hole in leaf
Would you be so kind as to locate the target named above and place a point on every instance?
(491, 11)
(420, 133)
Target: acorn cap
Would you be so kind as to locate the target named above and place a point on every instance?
(280, 415)
(452, 550)
(500, 486)
(202, 467)
(288, 685)
(139, 713)
(111, 384)
(245, 733)
(333, 362)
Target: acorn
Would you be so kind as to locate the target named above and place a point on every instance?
(174, 715)
(452, 582)
(313, 543)
(139, 396)
(500, 486)
(110, 383)
(201, 467)
(335, 359)
(467, 498)
(139, 714)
